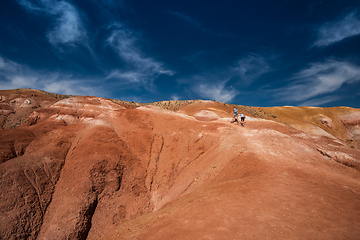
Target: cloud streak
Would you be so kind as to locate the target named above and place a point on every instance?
(138, 67)
(333, 32)
(320, 101)
(68, 30)
(250, 68)
(67, 25)
(216, 91)
(14, 75)
(319, 79)
(215, 84)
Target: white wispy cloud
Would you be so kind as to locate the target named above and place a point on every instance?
(318, 79)
(14, 75)
(211, 86)
(336, 31)
(224, 84)
(250, 68)
(125, 45)
(72, 87)
(216, 91)
(8, 65)
(175, 97)
(68, 30)
(129, 78)
(320, 101)
(139, 67)
(67, 24)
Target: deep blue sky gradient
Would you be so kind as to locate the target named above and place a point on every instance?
(255, 53)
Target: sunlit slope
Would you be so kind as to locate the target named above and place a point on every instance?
(94, 168)
(340, 122)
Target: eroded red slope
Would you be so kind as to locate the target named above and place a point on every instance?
(94, 169)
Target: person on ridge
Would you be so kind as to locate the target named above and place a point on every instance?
(236, 113)
(242, 119)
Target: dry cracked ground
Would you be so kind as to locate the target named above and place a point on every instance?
(92, 168)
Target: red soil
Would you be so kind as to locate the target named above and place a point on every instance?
(91, 168)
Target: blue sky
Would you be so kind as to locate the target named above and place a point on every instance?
(255, 53)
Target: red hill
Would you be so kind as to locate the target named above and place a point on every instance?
(91, 168)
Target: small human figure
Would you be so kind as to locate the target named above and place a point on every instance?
(242, 119)
(236, 113)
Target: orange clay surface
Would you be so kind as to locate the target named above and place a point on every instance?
(93, 168)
